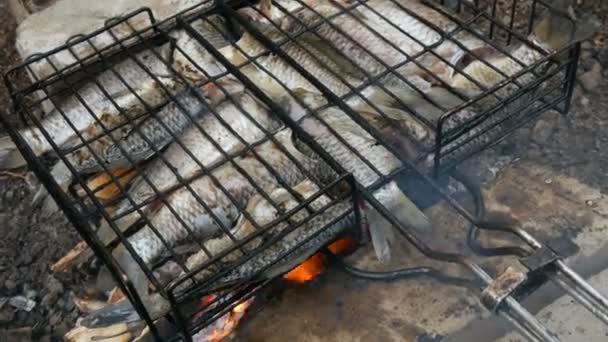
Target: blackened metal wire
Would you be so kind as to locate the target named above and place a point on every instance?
(512, 309)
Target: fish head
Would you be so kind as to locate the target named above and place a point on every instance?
(560, 27)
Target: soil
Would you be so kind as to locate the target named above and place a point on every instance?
(575, 144)
(29, 244)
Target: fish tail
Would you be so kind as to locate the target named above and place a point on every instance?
(382, 235)
(10, 157)
(406, 212)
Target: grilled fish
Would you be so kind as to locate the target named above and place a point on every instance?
(128, 90)
(138, 141)
(380, 34)
(183, 213)
(203, 146)
(359, 153)
(557, 30)
(89, 103)
(267, 263)
(155, 131)
(275, 75)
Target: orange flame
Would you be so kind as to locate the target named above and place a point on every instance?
(225, 325)
(316, 265)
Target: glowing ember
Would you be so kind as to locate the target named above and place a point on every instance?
(311, 268)
(224, 326)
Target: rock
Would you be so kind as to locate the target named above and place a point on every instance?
(10, 285)
(6, 314)
(591, 79)
(23, 334)
(543, 130)
(55, 319)
(22, 303)
(585, 101)
(53, 286)
(67, 18)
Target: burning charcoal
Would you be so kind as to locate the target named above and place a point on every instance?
(22, 303)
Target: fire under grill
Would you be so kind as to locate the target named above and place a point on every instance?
(258, 141)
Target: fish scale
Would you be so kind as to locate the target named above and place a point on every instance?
(163, 176)
(148, 246)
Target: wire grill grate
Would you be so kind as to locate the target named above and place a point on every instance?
(261, 141)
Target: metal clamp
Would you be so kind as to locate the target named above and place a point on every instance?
(540, 259)
(502, 287)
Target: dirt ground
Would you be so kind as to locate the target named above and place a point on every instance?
(575, 145)
(29, 244)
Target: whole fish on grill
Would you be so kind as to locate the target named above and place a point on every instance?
(125, 89)
(275, 75)
(557, 30)
(89, 103)
(246, 117)
(156, 130)
(380, 34)
(137, 141)
(209, 204)
(359, 153)
(236, 122)
(266, 263)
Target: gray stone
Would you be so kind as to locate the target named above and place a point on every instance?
(591, 79)
(67, 18)
(543, 130)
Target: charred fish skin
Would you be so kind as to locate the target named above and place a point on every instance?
(127, 82)
(196, 148)
(148, 245)
(378, 32)
(197, 151)
(89, 103)
(153, 133)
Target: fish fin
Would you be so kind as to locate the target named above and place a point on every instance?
(403, 208)
(405, 211)
(10, 157)
(123, 311)
(382, 235)
(559, 28)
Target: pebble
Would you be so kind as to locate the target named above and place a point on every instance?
(55, 319)
(591, 79)
(6, 314)
(591, 203)
(543, 130)
(54, 286)
(548, 181)
(585, 101)
(10, 285)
